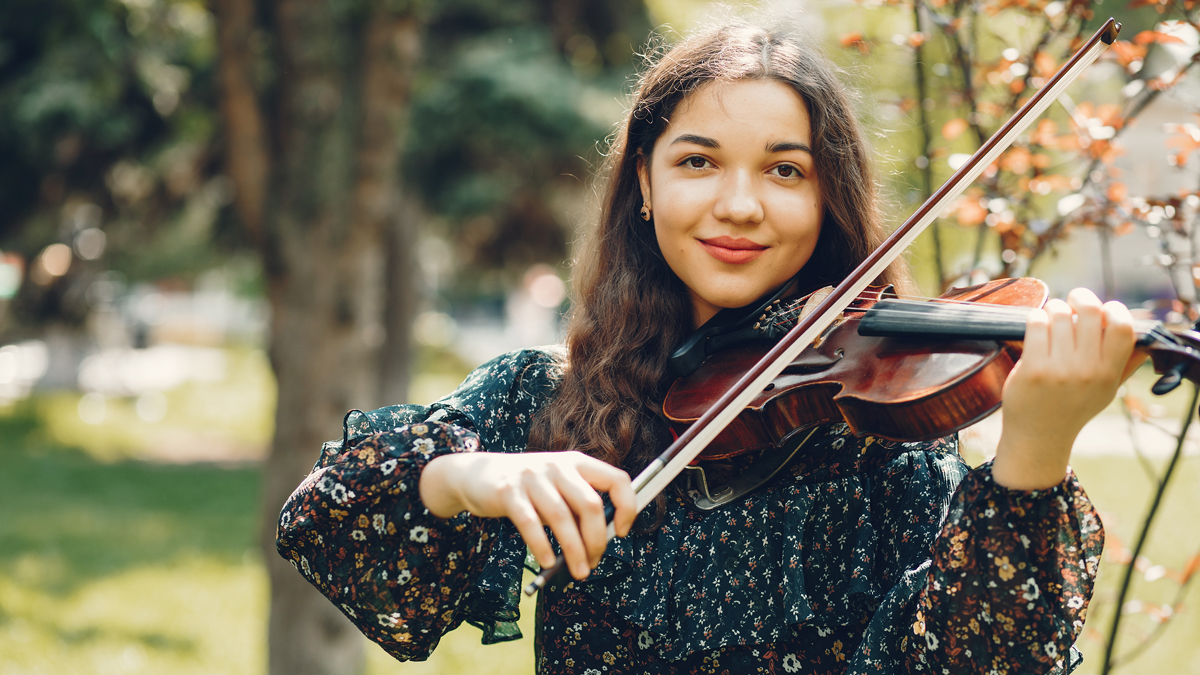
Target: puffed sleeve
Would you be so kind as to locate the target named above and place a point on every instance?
(357, 530)
(1010, 581)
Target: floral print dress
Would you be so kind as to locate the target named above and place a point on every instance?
(867, 556)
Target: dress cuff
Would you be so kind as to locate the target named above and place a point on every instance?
(984, 472)
(1067, 498)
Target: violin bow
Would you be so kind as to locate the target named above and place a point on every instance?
(655, 477)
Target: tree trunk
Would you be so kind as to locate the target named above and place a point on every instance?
(246, 158)
(386, 93)
(328, 192)
(403, 301)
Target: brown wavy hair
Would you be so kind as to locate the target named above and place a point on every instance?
(629, 310)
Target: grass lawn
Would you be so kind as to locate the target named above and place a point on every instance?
(127, 567)
(1121, 492)
(110, 564)
(131, 566)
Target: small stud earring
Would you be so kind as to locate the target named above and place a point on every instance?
(646, 212)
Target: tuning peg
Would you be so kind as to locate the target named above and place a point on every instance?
(1170, 379)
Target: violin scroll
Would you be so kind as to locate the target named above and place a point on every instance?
(1175, 355)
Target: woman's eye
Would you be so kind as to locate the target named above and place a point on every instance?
(787, 171)
(696, 162)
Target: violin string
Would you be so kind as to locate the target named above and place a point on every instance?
(790, 311)
(982, 306)
(959, 310)
(983, 310)
(981, 314)
(967, 308)
(984, 316)
(872, 295)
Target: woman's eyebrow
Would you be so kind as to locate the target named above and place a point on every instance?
(784, 146)
(698, 140)
(777, 146)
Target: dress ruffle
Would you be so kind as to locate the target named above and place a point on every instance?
(359, 513)
(494, 603)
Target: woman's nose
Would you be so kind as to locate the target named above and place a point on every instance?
(739, 200)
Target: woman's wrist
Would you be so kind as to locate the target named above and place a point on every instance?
(436, 486)
(1030, 463)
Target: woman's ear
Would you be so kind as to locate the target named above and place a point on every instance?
(643, 172)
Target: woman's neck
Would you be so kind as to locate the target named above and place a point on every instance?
(703, 310)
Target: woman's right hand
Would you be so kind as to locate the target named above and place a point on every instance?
(555, 489)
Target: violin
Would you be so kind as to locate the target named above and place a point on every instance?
(905, 370)
(745, 388)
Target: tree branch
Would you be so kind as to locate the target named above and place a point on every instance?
(926, 143)
(1109, 648)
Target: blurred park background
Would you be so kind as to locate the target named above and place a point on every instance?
(223, 223)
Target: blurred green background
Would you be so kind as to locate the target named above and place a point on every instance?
(140, 377)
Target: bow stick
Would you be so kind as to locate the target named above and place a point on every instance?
(655, 477)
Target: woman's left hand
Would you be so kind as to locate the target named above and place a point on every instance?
(1076, 355)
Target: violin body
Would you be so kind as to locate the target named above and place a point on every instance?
(892, 387)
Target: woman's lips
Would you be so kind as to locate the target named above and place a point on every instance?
(733, 251)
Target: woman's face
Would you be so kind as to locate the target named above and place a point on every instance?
(735, 200)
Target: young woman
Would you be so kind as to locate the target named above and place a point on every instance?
(739, 169)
